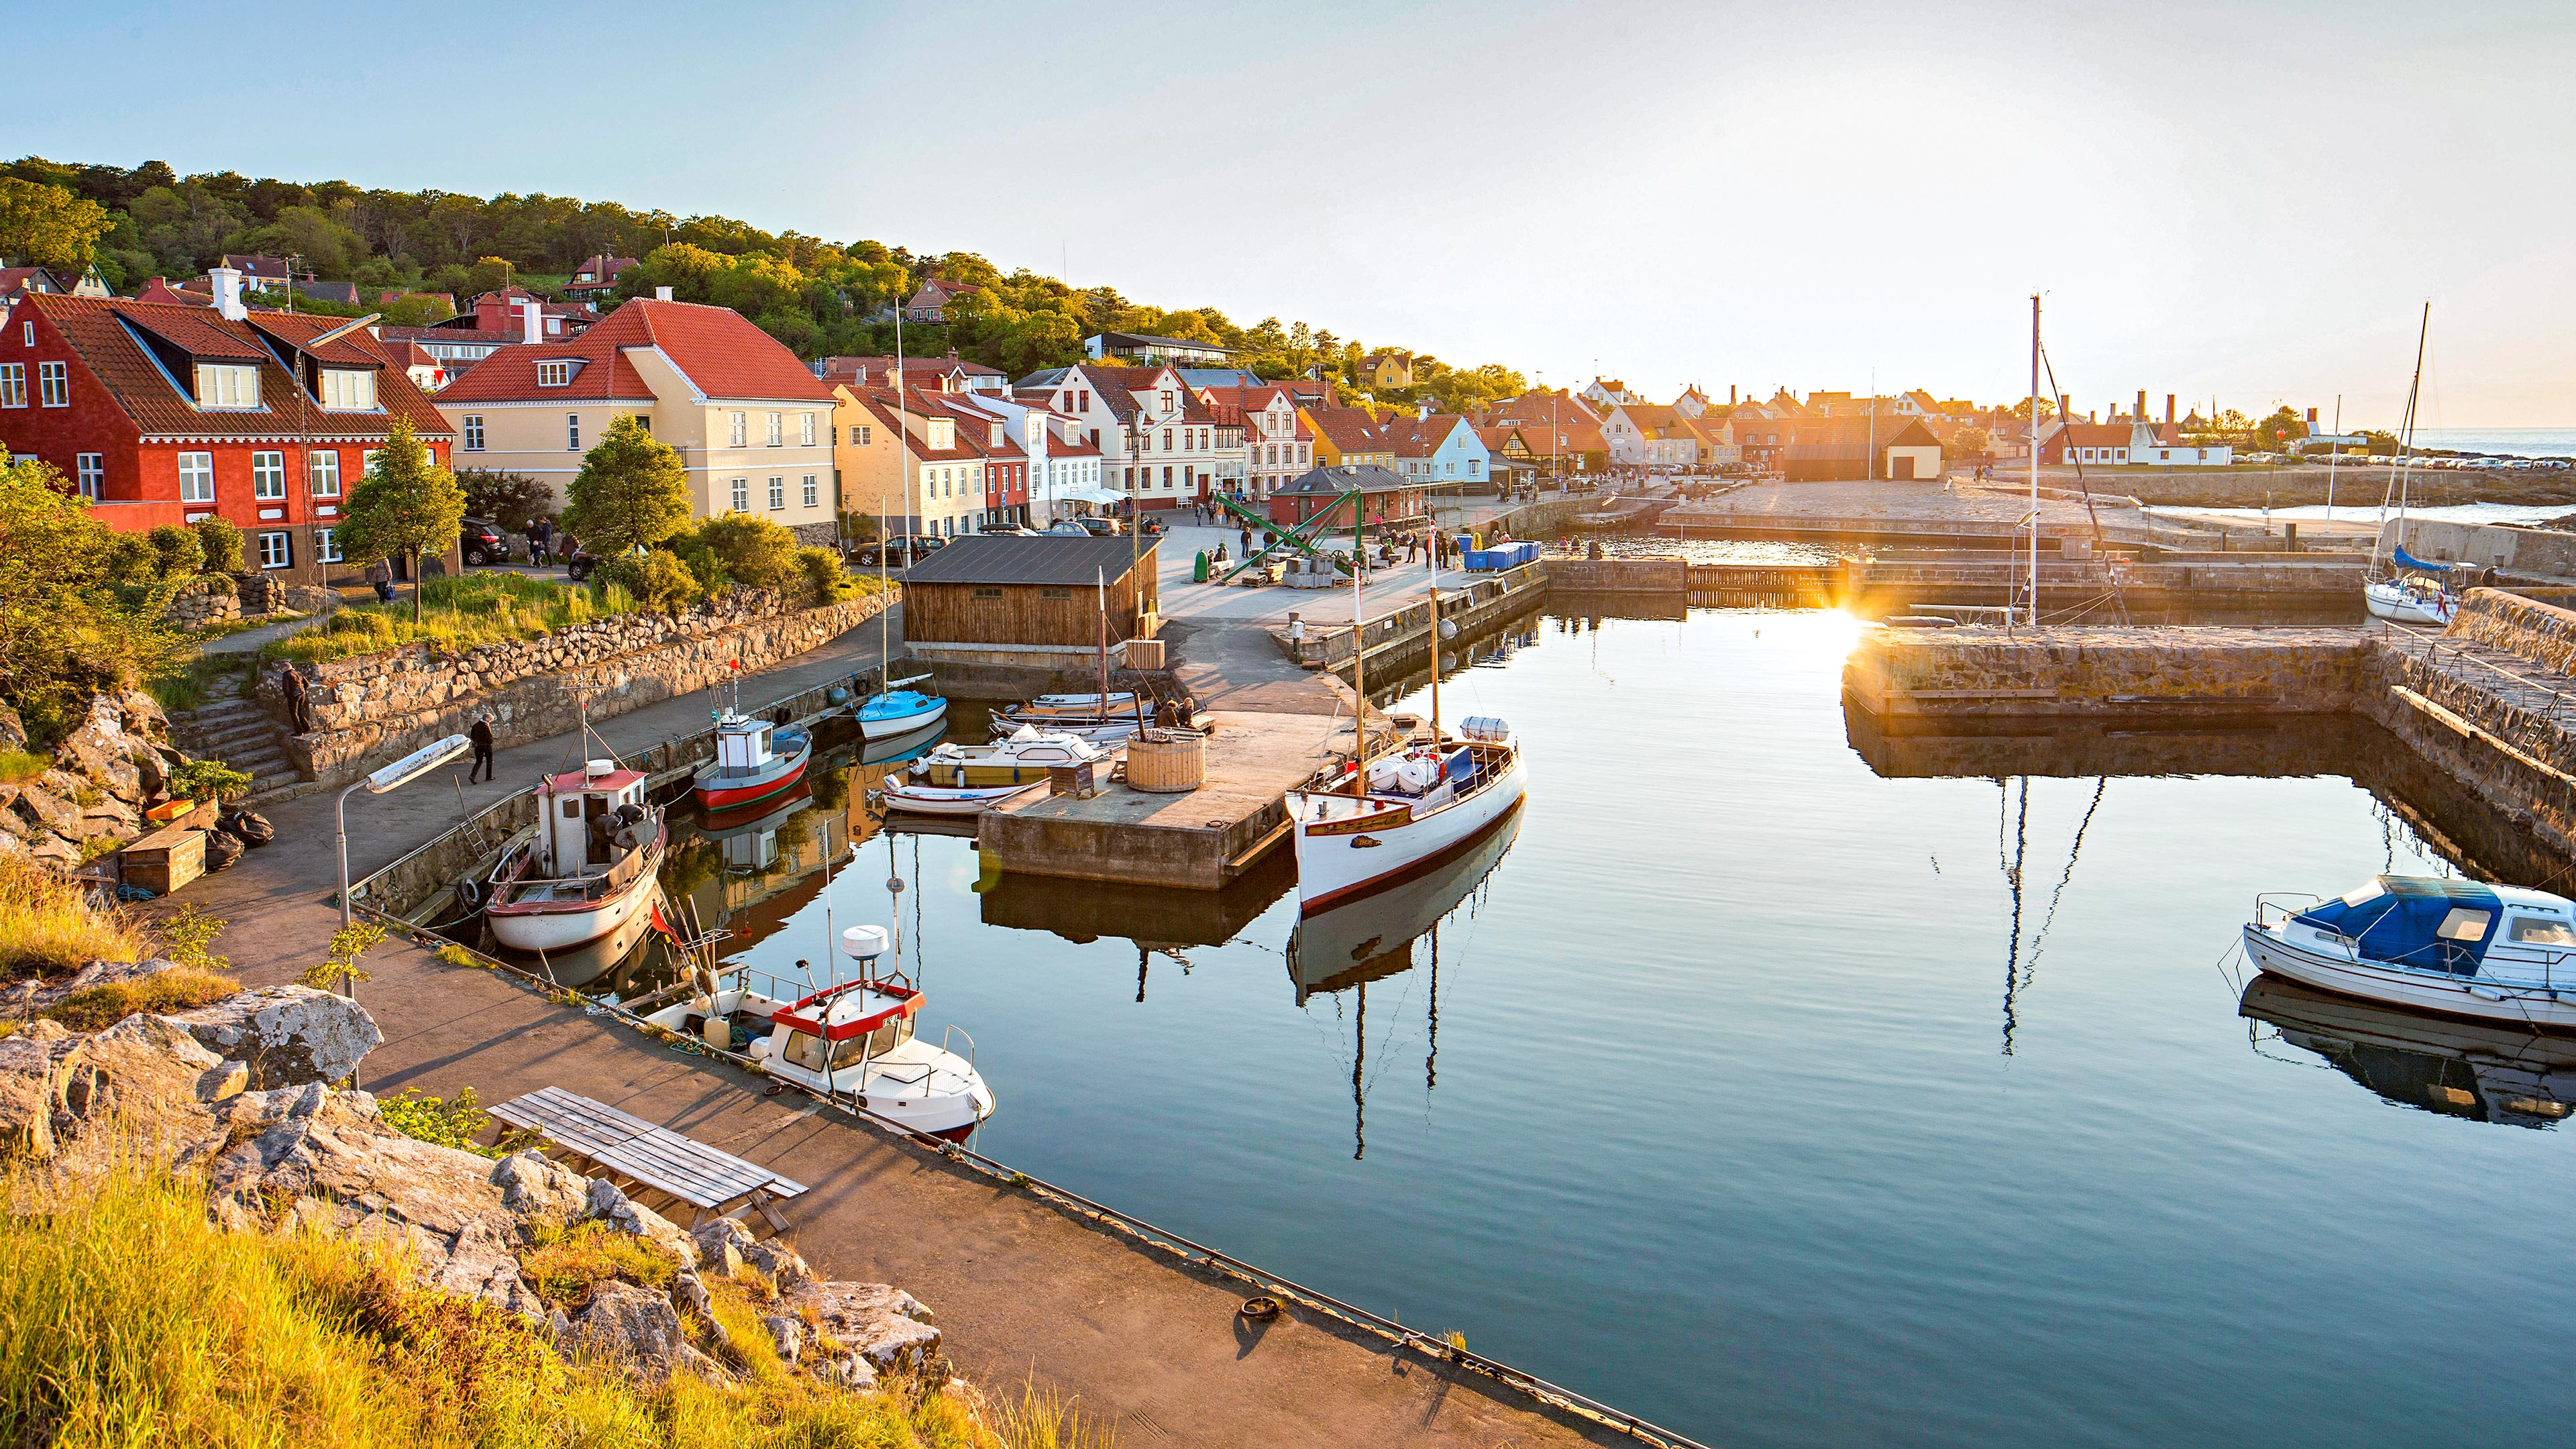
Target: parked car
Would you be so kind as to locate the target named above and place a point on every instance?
(1101, 527)
(1006, 530)
(1069, 528)
(580, 565)
(481, 542)
(901, 550)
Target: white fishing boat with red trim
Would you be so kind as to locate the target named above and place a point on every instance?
(853, 1041)
(589, 867)
(1397, 816)
(755, 760)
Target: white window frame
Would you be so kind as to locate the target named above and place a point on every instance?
(228, 386)
(196, 477)
(326, 547)
(777, 493)
(322, 472)
(572, 432)
(13, 383)
(554, 374)
(741, 428)
(92, 470)
(367, 461)
(277, 550)
(809, 428)
(268, 476)
(812, 492)
(348, 390)
(778, 430)
(867, 435)
(54, 384)
(474, 432)
(742, 495)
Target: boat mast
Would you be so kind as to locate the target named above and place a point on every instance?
(1359, 651)
(1435, 630)
(1101, 576)
(2034, 464)
(2406, 442)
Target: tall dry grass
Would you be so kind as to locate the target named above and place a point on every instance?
(48, 926)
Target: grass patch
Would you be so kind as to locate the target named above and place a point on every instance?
(445, 1121)
(18, 765)
(566, 1261)
(193, 683)
(182, 988)
(459, 613)
(127, 1318)
(49, 926)
(455, 955)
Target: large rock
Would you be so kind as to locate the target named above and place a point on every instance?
(290, 1035)
(880, 1325)
(101, 747)
(534, 1186)
(611, 1205)
(726, 1246)
(37, 994)
(637, 1329)
(145, 1078)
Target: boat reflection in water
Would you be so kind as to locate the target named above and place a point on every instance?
(1371, 937)
(2481, 1071)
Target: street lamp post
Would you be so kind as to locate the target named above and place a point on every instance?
(392, 777)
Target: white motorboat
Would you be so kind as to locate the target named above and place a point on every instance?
(1371, 936)
(1077, 706)
(589, 867)
(754, 761)
(2489, 952)
(949, 800)
(2486, 1072)
(1024, 757)
(852, 1041)
(1107, 733)
(1391, 817)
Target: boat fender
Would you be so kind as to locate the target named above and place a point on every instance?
(469, 894)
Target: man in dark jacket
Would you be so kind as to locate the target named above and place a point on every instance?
(299, 704)
(481, 735)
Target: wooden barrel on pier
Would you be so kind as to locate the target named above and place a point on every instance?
(1167, 762)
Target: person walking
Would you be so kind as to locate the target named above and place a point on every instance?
(299, 701)
(541, 537)
(1247, 543)
(381, 575)
(564, 546)
(481, 735)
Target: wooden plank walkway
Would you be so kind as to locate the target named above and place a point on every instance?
(656, 1157)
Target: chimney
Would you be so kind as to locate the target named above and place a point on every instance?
(2141, 415)
(2312, 420)
(1730, 394)
(661, 294)
(2169, 407)
(532, 319)
(228, 296)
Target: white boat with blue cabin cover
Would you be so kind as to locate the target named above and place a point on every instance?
(2488, 952)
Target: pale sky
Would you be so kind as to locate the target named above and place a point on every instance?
(2249, 202)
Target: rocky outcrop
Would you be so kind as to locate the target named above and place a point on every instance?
(111, 767)
(239, 1094)
(286, 1035)
(375, 706)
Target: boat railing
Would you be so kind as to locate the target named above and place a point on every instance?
(954, 1030)
(2270, 901)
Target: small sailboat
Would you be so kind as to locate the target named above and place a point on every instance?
(754, 760)
(2406, 589)
(897, 709)
(1023, 757)
(2490, 952)
(1393, 816)
(589, 867)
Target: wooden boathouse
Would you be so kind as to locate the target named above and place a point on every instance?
(1008, 600)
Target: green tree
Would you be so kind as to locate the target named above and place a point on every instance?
(656, 580)
(631, 491)
(181, 551)
(753, 551)
(512, 500)
(67, 627)
(1968, 443)
(406, 506)
(47, 226)
(221, 543)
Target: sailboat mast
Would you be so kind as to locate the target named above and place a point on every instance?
(1101, 576)
(1359, 651)
(2034, 462)
(1435, 632)
(2406, 443)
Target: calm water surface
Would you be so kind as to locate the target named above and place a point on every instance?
(1787, 1097)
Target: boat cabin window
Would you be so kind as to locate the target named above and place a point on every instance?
(2533, 931)
(2364, 893)
(2463, 924)
(804, 1049)
(873, 1045)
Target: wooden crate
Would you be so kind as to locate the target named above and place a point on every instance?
(166, 859)
(1144, 653)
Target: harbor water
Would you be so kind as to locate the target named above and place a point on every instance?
(1784, 1082)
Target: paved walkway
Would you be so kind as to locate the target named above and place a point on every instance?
(1025, 1291)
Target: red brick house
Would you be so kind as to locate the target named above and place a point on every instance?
(169, 413)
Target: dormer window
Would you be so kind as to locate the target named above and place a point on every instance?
(227, 385)
(943, 433)
(348, 389)
(554, 374)
(997, 435)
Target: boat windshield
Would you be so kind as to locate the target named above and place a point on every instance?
(2532, 931)
(875, 1044)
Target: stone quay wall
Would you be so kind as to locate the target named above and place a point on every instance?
(376, 707)
(1931, 673)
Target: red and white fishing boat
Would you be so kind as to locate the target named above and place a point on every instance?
(754, 761)
(1395, 816)
(588, 869)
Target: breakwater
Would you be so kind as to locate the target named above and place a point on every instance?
(2488, 702)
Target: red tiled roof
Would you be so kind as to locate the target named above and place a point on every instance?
(101, 330)
(716, 348)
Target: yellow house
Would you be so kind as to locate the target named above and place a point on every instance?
(1348, 438)
(751, 424)
(1386, 369)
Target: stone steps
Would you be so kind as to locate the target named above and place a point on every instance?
(245, 736)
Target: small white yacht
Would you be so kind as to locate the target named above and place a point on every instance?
(850, 1040)
(2490, 952)
(1022, 758)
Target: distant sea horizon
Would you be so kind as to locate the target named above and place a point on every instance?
(2521, 442)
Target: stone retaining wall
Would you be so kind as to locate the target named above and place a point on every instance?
(376, 707)
(1897, 673)
(2541, 632)
(1617, 575)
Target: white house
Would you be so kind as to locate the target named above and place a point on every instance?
(1642, 435)
(1606, 393)
(1159, 445)
(1064, 468)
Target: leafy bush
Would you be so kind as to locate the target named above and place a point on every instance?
(221, 543)
(186, 935)
(131, 559)
(182, 988)
(445, 1122)
(754, 552)
(208, 780)
(658, 580)
(177, 550)
(825, 579)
